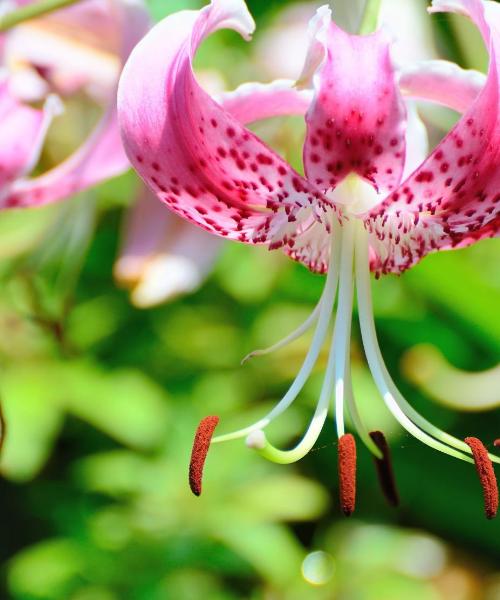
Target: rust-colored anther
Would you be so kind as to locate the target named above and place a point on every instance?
(201, 444)
(385, 471)
(347, 473)
(484, 468)
(496, 443)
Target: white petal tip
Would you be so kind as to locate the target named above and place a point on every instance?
(256, 440)
(164, 278)
(54, 105)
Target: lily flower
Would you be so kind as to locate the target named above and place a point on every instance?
(163, 256)
(370, 199)
(64, 52)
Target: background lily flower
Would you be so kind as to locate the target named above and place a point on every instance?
(81, 47)
(163, 256)
(365, 201)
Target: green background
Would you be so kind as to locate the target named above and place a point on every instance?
(102, 400)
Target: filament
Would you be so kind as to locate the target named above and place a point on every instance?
(373, 354)
(342, 336)
(291, 337)
(325, 314)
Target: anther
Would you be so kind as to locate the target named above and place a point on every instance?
(385, 472)
(347, 473)
(486, 474)
(496, 443)
(199, 452)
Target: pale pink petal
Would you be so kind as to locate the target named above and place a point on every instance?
(442, 82)
(22, 132)
(197, 157)
(356, 122)
(163, 255)
(255, 101)
(99, 158)
(417, 142)
(102, 155)
(453, 198)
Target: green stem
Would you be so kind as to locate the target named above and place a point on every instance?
(31, 11)
(370, 17)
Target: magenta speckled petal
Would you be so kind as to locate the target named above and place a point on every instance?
(356, 122)
(197, 157)
(453, 198)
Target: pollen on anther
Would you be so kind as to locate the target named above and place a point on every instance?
(199, 452)
(385, 471)
(347, 473)
(484, 468)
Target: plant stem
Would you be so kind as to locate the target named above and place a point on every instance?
(370, 17)
(32, 11)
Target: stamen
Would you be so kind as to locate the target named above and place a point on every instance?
(408, 412)
(379, 372)
(291, 337)
(199, 452)
(356, 418)
(327, 301)
(258, 441)
(347, 473)
(484, 468)
(496, 443)
(384, 469)
(342, 336)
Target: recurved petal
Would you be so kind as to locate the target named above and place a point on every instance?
(101, 156)
(255, 101)
(453, 198)
(442, 82)
(356, 121)
(196, 156)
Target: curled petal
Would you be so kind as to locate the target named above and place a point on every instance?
(102, 155)
(254, 101)
(453, 198)
(196, 156)
(442, 82)
(356, 122)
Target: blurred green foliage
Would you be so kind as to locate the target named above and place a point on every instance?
(102, 400)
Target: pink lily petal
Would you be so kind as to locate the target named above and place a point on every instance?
(102, 155)
(356, 122)
(442, 82)
(255, 101)
(22, 131)
(163, 256)
(98, 159)
(200, 160)
(453, 198)
(77, 47)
